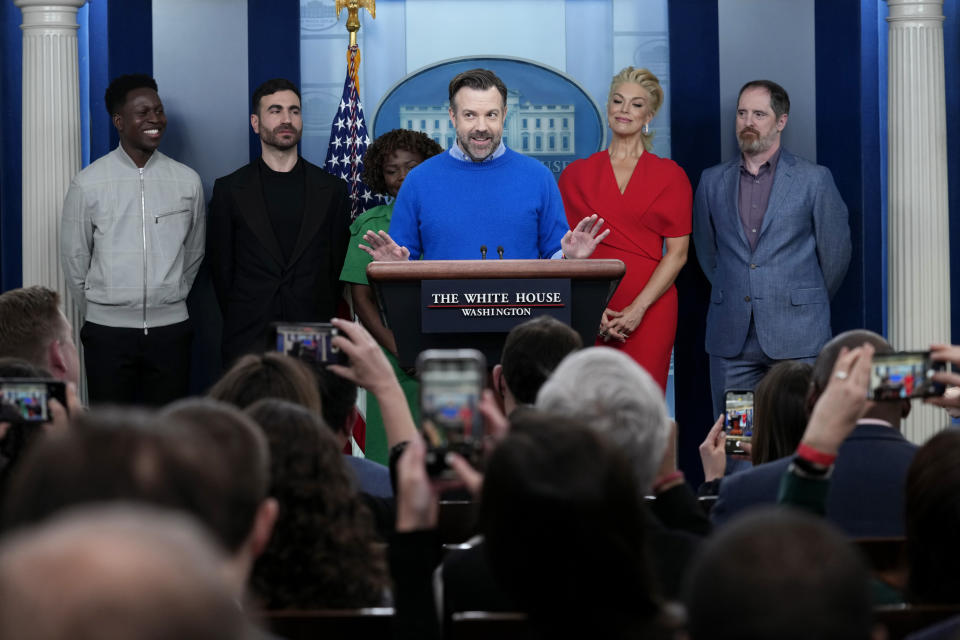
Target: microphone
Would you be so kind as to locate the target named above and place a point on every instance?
(483, 252)
(500, 252)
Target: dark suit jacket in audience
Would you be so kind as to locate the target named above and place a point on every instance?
(866, 489)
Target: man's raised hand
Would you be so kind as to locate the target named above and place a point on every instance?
(581, 241)
(382, 248)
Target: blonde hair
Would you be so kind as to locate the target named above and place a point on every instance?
(651, 84)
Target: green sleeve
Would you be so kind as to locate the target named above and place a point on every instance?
(355, 265)
(805, 493)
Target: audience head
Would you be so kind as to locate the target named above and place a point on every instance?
(118, 573)
(776, 573)
(612, 394)
(338, 397)
(891, 411)
(780, 411)
(323, 552)
(932, 510)
(267, 375)
(202, 428)
(564, 528)
(127, 455)
(530, 353)
(33, 328)
(391, 156)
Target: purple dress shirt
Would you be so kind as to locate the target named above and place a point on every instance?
(755, 195)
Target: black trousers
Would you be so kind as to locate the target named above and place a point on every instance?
(126, 366)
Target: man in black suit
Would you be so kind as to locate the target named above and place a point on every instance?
(277, 231)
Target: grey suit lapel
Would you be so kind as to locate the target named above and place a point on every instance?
(782, 184)
(731, 186)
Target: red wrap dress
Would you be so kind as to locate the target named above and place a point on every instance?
(656, 204)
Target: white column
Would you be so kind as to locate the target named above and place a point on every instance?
(918, 250)
(51, 136)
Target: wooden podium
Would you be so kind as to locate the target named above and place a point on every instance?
(405, 291)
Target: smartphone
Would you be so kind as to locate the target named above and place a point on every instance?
(451, 383)
(906, 374)
(738, 419)
(26, 400)
(307, 341)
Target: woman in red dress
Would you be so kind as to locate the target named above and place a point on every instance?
(646, 202)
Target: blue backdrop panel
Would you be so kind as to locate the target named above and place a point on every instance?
(951, 54)
(846, 74)
(696, 126)
(11, 256)
(273, 37)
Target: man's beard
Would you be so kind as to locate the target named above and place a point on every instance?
(272, 138)
(472, 153)
(756, 143)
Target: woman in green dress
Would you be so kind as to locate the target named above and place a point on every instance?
(385, 166)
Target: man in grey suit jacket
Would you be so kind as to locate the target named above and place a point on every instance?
(771, 234)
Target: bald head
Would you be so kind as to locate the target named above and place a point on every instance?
(889, 411)
(828, 355)
(115, 573)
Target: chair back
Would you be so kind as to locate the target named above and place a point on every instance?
(330, 624)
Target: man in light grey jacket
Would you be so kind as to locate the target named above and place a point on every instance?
(131, 242)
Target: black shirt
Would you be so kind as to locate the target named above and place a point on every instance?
(283, 194)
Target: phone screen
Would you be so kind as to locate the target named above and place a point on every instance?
(25, 401)
(450, 390)
(309, 342)
(738, 419)
(896, 376)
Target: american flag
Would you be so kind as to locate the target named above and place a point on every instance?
(349, 140)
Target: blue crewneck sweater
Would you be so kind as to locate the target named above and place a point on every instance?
(448, 208)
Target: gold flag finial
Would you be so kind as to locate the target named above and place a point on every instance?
(353, 18)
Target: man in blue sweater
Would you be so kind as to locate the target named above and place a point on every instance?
(481, 194)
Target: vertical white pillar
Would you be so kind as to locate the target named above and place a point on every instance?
(51, 136)
(918, 249)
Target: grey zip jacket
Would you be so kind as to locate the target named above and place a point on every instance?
(131, 240)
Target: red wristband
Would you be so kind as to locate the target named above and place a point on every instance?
(810, 454)
(667, 479)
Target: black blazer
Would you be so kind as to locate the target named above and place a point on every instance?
(253, 282)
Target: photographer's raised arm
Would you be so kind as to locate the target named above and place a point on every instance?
(370, 369)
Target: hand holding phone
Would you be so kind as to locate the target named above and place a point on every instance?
(27, 400)
(738, 420)
(311, 342)
(451, 386)
(904, 375)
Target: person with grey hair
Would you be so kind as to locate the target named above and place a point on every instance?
(613, 395)
(116, 573)
(616, 396)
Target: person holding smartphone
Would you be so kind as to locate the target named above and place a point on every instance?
(867, 495)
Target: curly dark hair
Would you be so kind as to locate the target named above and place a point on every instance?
(323, 553)
(378, 153)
